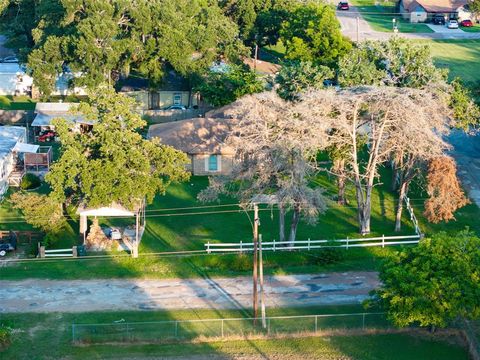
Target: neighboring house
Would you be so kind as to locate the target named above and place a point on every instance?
(174, 90)
(422, 10)
(46, 112)
(202, 139)
(14, 80)
(15, 154)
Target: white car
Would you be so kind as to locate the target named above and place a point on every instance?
(10, 59)
(452, 24)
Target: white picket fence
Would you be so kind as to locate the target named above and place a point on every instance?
(59, 253)
(412, 216)
(313, 244)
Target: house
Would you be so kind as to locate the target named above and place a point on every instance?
(174, 90)
(203, 140)
(45, 112)
(14, 80)
(423, 10)
(16, 155)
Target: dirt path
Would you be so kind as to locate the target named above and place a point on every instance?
(221, 293)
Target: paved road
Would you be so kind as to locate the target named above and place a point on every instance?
(348, 21)
(222, 293)
(466, 151)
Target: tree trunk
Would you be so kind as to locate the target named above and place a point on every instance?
(364, 209)
(281, 221)
(293, 226)
(341, 183)
(394, 176)
(401, 196)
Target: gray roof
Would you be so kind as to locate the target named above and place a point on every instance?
(9, 136)
(46, 112)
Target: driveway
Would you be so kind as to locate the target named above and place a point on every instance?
(222, 293)
(442, 29)
(466, 151)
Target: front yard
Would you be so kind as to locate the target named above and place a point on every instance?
(179, 222)
(380, 17)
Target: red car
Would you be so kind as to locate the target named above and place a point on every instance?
(466, 23)
(47, 136)
(343, 5)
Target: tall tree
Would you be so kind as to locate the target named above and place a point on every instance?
(112, 163)
(101, 40)
(312, 33)
(380, 118)
(220, 88)
(297, 76)
(444, 190)
(434, 283)
(394, 62)
(275, 146)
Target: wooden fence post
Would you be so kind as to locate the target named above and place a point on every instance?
(74, 252)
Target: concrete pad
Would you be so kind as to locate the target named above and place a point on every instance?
(445, 30)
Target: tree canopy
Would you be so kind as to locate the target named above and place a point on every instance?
(297, 76)
(219, 87)
(101, 39)
(312, 33)
(433, 283)
(112, 163)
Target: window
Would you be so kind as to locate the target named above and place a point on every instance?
(213, 163)
(177, 99)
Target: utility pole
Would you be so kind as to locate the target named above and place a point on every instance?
(262, 292)
(256, 57)
(358, 29)
(255, 263)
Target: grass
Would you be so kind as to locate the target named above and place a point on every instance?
(47, 336)
(8, 102)
(380, 17)
(474, 28)
(190, 229)
(459, 56)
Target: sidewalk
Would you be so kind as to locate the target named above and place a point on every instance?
(221, 293)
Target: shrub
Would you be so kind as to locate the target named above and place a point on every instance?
(5, 336)
(30, 181)
(329, 256)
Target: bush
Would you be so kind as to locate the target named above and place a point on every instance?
(329, 256)
(5, 336)
(30, 181)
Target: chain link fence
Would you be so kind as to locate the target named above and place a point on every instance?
(158, 331)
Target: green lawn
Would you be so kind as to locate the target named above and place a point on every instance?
(48, 336)
(16, 103)
(461, 57)
(380, 17)
(474, 28)
(171, 228)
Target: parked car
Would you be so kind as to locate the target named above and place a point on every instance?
(466, 23)
(176, 107)
(343, 5)
(452, 24)
(438, 19)
(10, 59)
(47, 136)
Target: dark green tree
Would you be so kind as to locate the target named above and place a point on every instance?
(220, 88)
(297, 76)
(112, 163)
(434, 283)
(312, 33)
